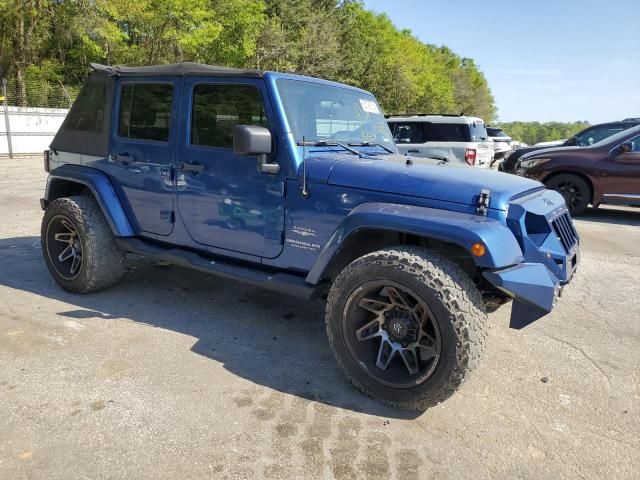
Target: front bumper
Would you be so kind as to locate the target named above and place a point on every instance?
(533, 288)
(551, 250)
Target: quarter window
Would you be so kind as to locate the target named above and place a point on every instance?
(410, 132)
(218, 108)
(88, 110)
(145, 111)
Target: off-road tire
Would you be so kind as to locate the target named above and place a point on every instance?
(102, 260)
(451, 296)
(579, 184)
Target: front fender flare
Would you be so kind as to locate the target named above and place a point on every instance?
(102, 190)
(462, 229)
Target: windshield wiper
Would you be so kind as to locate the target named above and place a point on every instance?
(329, 143)
(370, 144)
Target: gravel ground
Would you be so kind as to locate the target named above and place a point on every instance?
(176, 374)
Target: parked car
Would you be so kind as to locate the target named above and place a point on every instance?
(584, 138)
(501, 142)
(294, 184)
(607, 172)
(456, 138)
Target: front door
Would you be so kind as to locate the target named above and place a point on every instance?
(621, 176)
(222, 198)
(142, 150)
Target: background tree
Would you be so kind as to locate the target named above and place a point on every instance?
(50, 43)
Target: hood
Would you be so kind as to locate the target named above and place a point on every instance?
(426, 178)
(552, 151)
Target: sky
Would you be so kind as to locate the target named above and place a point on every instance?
(561, 60)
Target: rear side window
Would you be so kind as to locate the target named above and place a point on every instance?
(87, 113)
(447, 132)
(145, 111)
(479, 133)
(218, 108)
(408, 132)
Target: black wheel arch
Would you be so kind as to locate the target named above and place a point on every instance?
(368, 240)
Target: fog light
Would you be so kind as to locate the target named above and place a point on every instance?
(478, 249)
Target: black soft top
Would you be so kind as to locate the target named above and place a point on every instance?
(176, 69)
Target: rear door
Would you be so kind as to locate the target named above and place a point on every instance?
(223, 200)
(142, 148)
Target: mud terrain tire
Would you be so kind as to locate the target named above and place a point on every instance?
(450, 296)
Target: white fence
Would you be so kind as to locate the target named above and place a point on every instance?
(30, 129)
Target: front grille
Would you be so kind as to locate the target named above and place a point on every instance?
(563, 227)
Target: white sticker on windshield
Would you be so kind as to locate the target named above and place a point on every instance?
(369, 106)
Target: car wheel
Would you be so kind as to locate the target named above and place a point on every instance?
(406, 326)
(575, 190)
(78, 247)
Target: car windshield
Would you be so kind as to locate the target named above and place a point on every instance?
(617, 138)
(325, 113)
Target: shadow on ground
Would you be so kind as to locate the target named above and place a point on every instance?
(610, 215)
(266, 338)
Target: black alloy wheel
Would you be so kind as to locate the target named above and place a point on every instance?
(392, 331)
(574, 189)
(64, 247)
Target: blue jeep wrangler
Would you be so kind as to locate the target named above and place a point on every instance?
(294, 184)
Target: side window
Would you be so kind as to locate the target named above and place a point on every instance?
(447, 132)
(145, 111)
(88, 110)
(594, 135)
(217, 108)
(408, 133)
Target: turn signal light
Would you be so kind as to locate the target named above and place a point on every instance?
(478, 249)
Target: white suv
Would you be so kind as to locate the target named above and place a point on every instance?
(453, 137)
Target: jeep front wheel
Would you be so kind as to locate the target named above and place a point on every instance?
(78, 246)
(405, 326)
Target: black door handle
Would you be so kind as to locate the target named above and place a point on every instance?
(413, 151)
(191, 167)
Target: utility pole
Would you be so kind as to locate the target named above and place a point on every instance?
(6, 116)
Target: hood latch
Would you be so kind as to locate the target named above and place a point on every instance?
(484, 199)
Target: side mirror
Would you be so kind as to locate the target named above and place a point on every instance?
(252, 140)
(571, 141)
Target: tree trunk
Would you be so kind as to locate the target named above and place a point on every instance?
(19, 61)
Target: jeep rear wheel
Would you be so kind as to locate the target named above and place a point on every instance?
(405, 326)
(78, 246)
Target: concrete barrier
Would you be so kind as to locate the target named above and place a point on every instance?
(31, 129)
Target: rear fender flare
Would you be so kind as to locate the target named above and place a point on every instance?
(462, 229)
(101, 188)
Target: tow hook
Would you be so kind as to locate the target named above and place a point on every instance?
(484, 199)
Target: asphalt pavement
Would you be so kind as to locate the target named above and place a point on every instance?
(177, 374)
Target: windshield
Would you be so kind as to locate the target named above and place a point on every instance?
(617, 138)
(326, 113)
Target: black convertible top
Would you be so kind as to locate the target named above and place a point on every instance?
(177, 69)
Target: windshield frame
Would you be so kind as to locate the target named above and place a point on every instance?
(355, 141)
